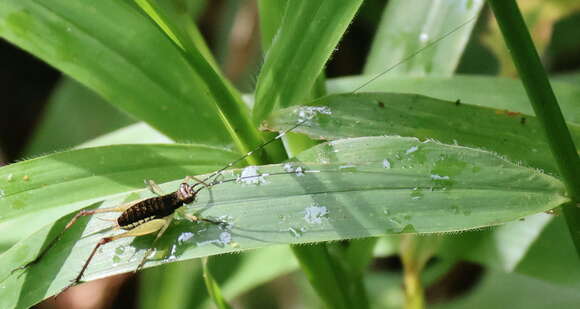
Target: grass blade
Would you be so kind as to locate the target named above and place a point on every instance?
(408, 26)
(89, 41)
(295, 60)
(373, 114)
(494, 92)
(345, 200)
(544, 103)
(213, 288)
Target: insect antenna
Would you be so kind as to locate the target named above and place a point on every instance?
(249, 153)
(377, 76)
(413, 54)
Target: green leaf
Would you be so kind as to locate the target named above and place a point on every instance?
(429, 188)
(70, 180)
(114, 49)
(545, 104)
(371, 114)
(307, 36)
(257, 267)
(409, 25)
(230, 107)
(411, 115)
(501, 248)
(65, 123)
(324, 274)
(564, 273)
(168, 286)
(213, 287)
(139, 133)
(495, 92)
(271, 14)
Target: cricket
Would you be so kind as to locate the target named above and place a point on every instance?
(155, 214)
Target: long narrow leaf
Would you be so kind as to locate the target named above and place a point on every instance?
(307, 37)
(409, 25)
(114, 49)
(495, 92)
(428, 188)
(374, 114)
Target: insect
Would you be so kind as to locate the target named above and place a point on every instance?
(154, 215)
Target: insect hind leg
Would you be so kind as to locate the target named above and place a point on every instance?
(74, 219)
(143, 229)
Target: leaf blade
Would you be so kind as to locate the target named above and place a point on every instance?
(276, 212)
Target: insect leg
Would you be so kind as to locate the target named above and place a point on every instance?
(153, 187)
(143, 229)
(162, 230)
(79, 214)
(199, 181)
(193, 218)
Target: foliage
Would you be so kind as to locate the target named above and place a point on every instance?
(426, 152)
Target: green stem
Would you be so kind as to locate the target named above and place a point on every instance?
(545, 105)
(325, 276)
(413, 290)
(415, 252)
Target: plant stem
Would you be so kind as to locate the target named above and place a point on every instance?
(415, 252)
(413, 289)
(545, 105)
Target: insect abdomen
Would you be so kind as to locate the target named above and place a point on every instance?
(147, 210)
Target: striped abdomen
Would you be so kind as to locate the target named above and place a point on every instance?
(149, 209)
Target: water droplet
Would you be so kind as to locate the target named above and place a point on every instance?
(183, 237)
(386, 163)
(116, 260)
(386, 212)
(294, 232)
(306, 113)
(225, 238)
(119, 250)
(288, 167)
(299, 171)
(416, 194)
(439, 177)
(423, 37)
(315, 213)
(208, 242)
(411, 150)
(251, 176)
